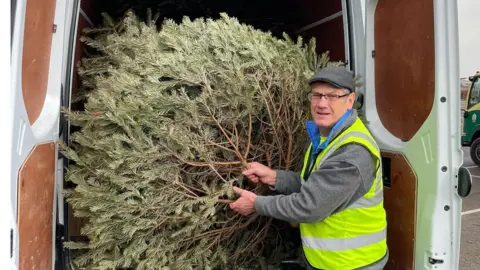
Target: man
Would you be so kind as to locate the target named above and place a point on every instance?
(337, 198)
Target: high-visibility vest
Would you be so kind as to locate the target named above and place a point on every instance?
(355, 236)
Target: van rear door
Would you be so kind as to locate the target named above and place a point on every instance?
(37, 69)
(412, 103)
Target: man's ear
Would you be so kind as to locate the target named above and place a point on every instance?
(351, 100)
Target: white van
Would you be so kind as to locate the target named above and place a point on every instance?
(405, 51)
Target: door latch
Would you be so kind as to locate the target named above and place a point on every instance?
(434, 261)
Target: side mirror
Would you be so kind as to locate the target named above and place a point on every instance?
(465, 114)
(464, 185)
(470, 78)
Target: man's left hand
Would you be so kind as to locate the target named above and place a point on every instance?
(244, 205)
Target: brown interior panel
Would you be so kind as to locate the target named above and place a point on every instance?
(37, 42)
(400, 205)
(310, 11)
(333, 41)
(329, 35)
(404, 64)
(35, 208)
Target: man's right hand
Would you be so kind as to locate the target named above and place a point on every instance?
(257, 172)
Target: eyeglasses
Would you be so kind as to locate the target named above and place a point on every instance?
(329, 96)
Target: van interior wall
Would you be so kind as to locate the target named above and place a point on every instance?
(329, 35)
(289, 17)
(267, 15)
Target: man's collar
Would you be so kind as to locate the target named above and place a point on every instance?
(314, 132)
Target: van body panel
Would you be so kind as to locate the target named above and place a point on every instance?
(412, 106)
(37, 59)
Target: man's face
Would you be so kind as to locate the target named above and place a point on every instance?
(327, 110)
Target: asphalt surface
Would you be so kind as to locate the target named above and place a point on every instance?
(470, 240)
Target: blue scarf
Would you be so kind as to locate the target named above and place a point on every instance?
(314, 133)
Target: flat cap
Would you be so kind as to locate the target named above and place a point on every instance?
(339, 77)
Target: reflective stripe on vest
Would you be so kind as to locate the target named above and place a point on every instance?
(334, 244)
(356, 235)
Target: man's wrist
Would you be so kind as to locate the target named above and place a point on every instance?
(260, 202)
(273, 180)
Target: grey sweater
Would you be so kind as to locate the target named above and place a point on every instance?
(342, 179)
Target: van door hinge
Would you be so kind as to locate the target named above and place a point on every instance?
(435, 261)
(54, 28)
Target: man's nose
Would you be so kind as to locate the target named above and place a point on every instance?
(322, 103)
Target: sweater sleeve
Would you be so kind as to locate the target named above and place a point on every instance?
(341, 180)
(287, 182)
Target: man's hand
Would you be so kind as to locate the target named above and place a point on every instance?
(244, 205)
(258, 172)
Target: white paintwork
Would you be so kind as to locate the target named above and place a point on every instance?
(346, 36)
(357, 41)
(446, 237)
(435, 145)
(19, 147)
(7, 221)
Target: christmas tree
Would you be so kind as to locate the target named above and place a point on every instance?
(171, 117)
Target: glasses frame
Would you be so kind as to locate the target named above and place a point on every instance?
(328, 96)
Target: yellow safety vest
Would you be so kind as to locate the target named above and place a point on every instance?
(355, 236)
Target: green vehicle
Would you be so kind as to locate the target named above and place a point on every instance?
(471, 122)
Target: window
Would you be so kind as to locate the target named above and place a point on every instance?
(474, 93)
